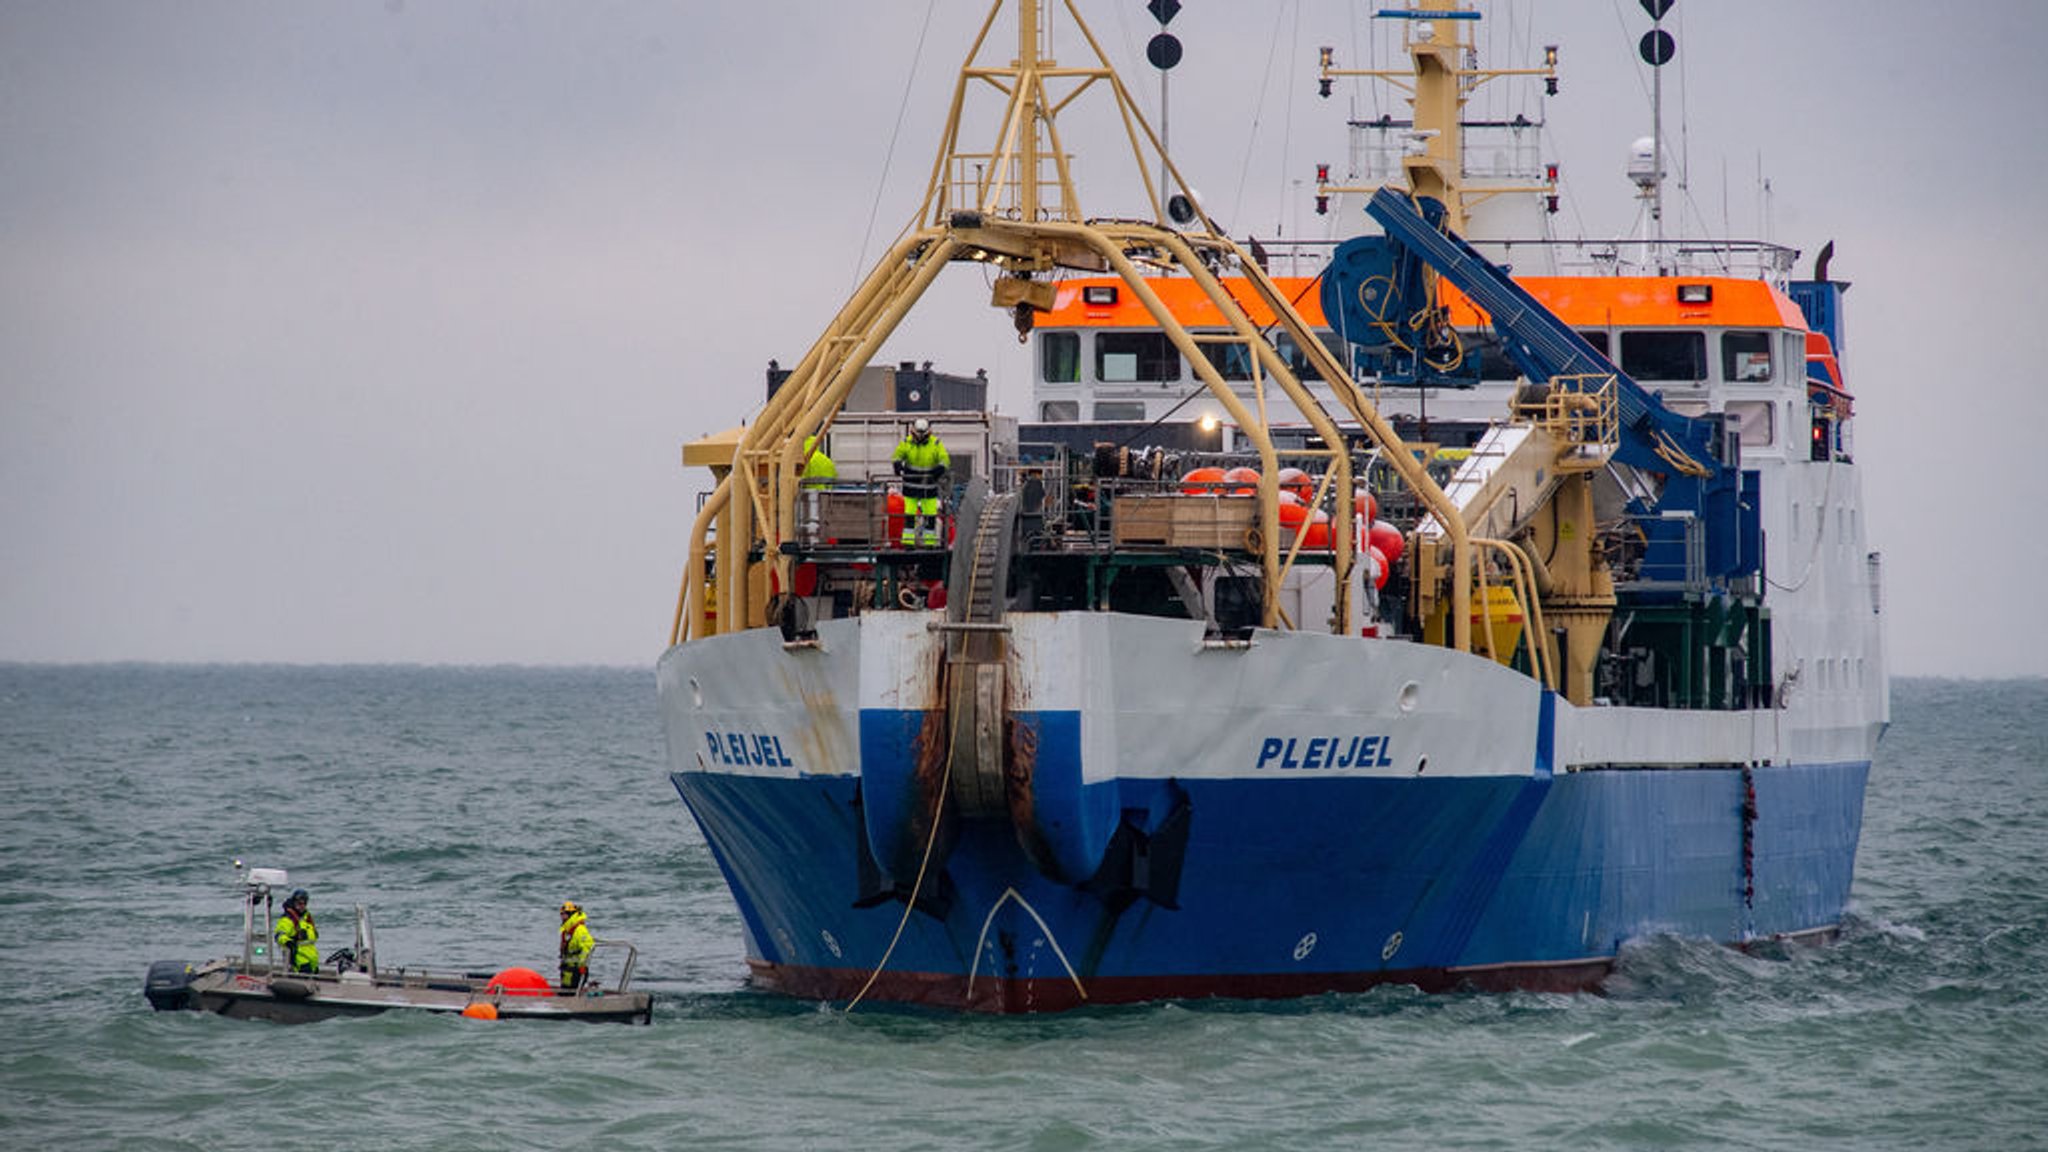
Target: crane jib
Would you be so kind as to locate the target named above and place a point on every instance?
(1543, 346)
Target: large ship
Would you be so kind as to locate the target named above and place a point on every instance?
(1393, 619)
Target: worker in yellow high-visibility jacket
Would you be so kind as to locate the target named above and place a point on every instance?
(922, 462)
(298, 940)
(577, 944)
(817, 465)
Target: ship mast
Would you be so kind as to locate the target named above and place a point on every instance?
(1656, 49)
(1030, 27)
(1441, 78)
(1010, 180)
(1437, 48)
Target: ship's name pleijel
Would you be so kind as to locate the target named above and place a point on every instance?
(1294, 752)
(739, 749)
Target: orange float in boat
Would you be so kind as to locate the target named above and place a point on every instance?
(519, 982)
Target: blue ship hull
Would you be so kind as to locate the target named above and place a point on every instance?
(1279, 887)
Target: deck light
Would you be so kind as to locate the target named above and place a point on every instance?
(1695, 293)
(1099, 294)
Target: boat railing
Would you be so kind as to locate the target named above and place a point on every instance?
(1062, 511)
(1171, 513)
(1579, 410)
(632, 958)
(1623, 256)
(856, 514)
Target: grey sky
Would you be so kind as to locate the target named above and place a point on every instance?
(369, 331)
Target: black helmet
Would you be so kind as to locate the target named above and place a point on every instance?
(298, 897)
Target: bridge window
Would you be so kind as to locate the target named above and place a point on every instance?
(1672, 356)
(1059, 357)
(1059, 411)
(1122, 357)
(1233, 361)
(1120, 410)
(1751, 420)
(1297, 360)
(1746, 356)
(1596, 338)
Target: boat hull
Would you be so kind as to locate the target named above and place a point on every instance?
(223, 988)
(1306, 814)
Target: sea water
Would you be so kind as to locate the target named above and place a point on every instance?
(462, 805)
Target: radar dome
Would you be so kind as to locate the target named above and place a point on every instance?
(1642, 162)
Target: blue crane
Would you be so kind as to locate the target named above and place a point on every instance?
(1377, 294)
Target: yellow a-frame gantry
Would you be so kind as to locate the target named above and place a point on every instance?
(1000, 207)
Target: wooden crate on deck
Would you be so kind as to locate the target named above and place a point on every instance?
(1178, 520)
(848, 516)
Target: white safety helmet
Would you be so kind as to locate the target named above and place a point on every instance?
(920, 427)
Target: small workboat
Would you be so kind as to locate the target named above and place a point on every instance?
(258, 984)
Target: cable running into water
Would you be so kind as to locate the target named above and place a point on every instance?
(932, 837)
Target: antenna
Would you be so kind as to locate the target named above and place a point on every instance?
(1163, 51)
(1657, 47)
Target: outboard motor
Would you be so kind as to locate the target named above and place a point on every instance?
(169, 985)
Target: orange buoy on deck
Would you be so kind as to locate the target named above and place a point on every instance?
(1317, 538)
(1201, 481)
(1365, 504)
(1246, 479)
(1387, 539)
(519, 982)
(1300, 483)
(481, 1010)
